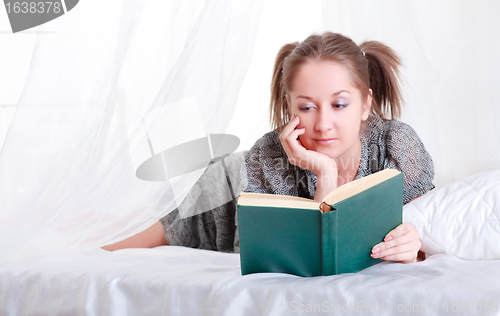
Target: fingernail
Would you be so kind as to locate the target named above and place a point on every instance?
(388, 238)
(374, 255)
(376, 250)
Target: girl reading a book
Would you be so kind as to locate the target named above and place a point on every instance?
(334, 106)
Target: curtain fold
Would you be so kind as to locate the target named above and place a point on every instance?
(103, 93)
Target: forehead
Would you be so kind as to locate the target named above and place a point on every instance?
(322, 76)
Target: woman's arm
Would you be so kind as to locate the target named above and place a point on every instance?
(405, 152)
(320, 164)
(154, 236)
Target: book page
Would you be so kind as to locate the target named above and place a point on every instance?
(273, 200)
(341, 193)
(354, 187)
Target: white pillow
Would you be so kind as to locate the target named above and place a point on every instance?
(462, 218)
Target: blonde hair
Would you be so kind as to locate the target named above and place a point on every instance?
(372, 65)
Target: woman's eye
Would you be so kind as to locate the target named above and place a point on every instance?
(340, 105)
(306, 108)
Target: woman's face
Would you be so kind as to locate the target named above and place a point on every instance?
(330, 109)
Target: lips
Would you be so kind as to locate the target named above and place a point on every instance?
(325, 141)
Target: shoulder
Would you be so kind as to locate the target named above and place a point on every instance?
(395, 144)
(266, 147)
(393, 140)
(391, 137)
(378, 130)
(269, 139)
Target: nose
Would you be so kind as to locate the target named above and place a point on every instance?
(324, 120)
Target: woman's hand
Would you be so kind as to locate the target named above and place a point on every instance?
(401, 244)
(299, 156)
(323, 166)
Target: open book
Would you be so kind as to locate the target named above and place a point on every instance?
(308, 238)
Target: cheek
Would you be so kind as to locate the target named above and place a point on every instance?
(350, 129)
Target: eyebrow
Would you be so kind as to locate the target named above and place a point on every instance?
(333, 95)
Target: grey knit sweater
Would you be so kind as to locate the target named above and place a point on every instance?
(384, 144)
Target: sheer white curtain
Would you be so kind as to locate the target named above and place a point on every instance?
(104, 79)
(115, 73)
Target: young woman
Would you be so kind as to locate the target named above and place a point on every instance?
(333, 110)
(333, 107)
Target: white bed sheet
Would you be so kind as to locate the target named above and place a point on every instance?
(182, 281)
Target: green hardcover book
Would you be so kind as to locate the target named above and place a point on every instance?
(307, 238)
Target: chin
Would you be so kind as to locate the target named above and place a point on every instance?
(326, 150)
(329, 152)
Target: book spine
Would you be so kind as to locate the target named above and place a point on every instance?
(329, 242)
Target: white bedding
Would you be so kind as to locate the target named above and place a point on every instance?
(456, 222)
(462, 218)
(183, 281)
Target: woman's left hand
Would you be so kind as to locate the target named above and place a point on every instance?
(401, 244)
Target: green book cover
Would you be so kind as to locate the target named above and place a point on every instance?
(297, 237)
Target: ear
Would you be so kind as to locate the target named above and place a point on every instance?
(367, 105)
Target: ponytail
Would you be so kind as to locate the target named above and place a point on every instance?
(279, 109)
(383, 65)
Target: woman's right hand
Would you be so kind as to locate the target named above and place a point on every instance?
(323, 166)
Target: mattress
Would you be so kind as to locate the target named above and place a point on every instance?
(458, 226)
(173, 280)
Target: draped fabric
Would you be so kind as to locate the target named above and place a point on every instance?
(111, 83)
